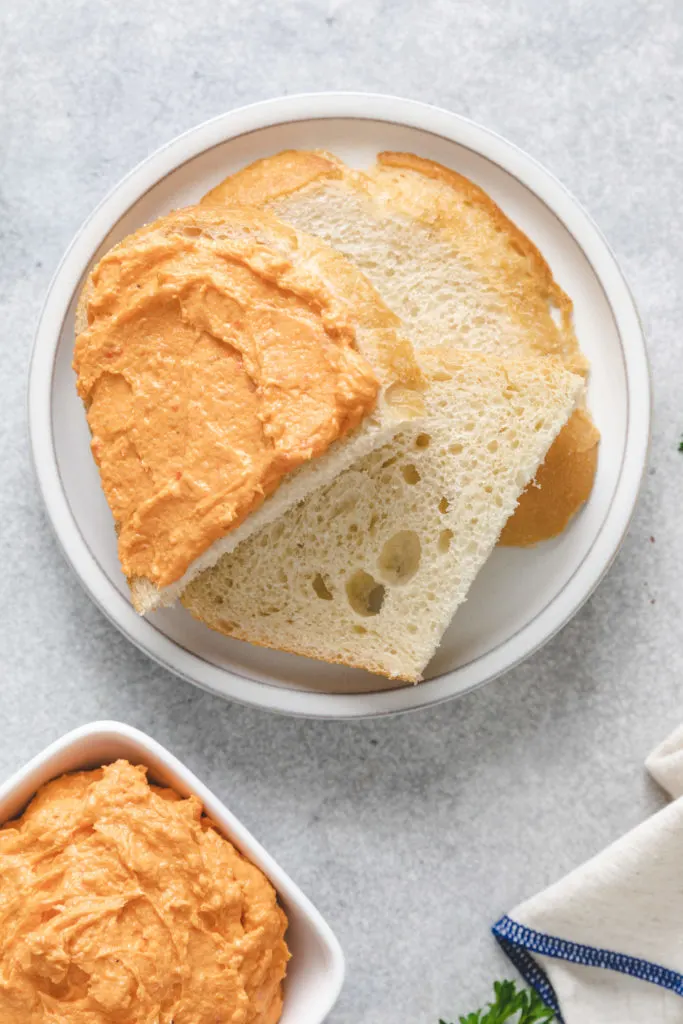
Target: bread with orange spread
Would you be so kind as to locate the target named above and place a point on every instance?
(229, 365)
(455, 269)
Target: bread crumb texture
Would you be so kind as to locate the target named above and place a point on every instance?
(369, 571)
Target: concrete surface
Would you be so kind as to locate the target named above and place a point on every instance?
(412, 834)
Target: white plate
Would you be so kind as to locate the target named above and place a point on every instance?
(522, 597)
(316, 971)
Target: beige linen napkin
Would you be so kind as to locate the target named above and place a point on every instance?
(605, 944)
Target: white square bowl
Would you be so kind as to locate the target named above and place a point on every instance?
(316, 970)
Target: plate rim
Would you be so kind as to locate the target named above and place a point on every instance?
(230, 684)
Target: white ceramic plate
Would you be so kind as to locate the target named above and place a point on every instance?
(522, 597)
(316, 971)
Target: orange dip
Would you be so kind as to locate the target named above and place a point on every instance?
(211, 365)
(120, 903)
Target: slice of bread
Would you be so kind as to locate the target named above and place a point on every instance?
(335, 291)
(447, 260)
(369, 571)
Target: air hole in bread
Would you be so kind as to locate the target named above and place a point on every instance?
(470, 425)
(422, 441)
(400, 557)
(455, 449)
(411, 627)
(556, 313)
(444, 506)
(321, 589)
(444, 542)
(389, 462)
(365, 594)
(360, 629)
(539, 425)
(492, 446)
(410, 474)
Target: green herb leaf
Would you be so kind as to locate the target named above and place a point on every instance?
(680, 445)
(511, 1007)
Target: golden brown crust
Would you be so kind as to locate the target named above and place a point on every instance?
(562, 485)
(232, 630)
(274, 176)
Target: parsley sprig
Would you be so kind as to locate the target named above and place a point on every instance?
(524, 1007)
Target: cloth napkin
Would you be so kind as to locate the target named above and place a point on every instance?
(605, 945)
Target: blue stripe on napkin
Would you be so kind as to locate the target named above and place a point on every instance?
(518, 942)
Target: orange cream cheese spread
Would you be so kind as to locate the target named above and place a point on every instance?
(120, 903)
(211, 363)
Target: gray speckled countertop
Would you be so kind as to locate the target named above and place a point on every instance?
(411, 834)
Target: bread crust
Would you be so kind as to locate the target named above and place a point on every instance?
(516, 265)
(232, 630)
(275, 176)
